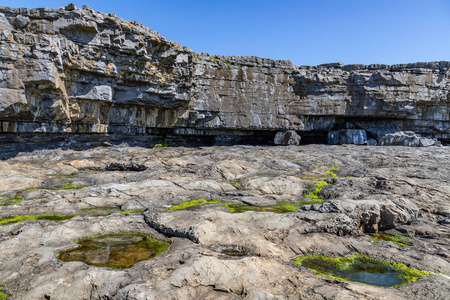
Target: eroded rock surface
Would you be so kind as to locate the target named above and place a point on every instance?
(75, 70)
(400, 190)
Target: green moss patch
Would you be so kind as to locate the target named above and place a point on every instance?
(3, 296)
(161, 145)
(278, 207)
(362, 269)
(393, 238)
(115, 251)
(102, 211)
(18, 219)
(89, 212)
(314, 195)
(332, 171)
(11, 201)
(18, 198)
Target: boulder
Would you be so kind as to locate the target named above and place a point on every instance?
(21, 22)
(426, 142)
(288, 137)
(70, 7)
(401, 138)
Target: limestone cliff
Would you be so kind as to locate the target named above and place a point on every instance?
(77, 71)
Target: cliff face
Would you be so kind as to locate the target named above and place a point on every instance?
(76, 71)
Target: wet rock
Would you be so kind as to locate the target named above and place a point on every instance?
(133, 167)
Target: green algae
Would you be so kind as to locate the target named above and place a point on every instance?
(192, 203)
(129, 211)
(50, 217)
(11, 201)
(19, 199)
(98, 208)
(362, 269)
(55, 217)
(102, 211)
(284, 206)
(161, 144)
(235, 251)
(332, 171)
(314, 195)
(279, 206)
(393, 238)
(116, 250)
(3, 296)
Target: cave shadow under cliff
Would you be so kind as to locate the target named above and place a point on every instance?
(11, 144)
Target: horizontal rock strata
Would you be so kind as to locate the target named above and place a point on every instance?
(72, 70)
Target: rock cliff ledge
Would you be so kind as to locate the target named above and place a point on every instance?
(71, 70)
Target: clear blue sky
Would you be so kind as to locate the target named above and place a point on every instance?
(308, 32)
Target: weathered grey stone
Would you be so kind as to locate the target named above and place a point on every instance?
(4, 23)
(70, 7)
(407, 138)
(101, 92)
(21, 21)
(289, 137)
(425, 142)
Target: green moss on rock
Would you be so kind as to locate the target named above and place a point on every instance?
(18, 219)
(314, 195)
(102, 211)
(11, 201)
(362, 269)
(277, 207)
(18, 198)
(393, 238)
(3, 296)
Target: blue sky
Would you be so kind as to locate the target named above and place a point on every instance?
(308, 32)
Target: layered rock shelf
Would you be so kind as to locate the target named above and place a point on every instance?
(73, 71)
(239, 219)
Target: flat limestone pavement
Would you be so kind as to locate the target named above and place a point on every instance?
(356, 190)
